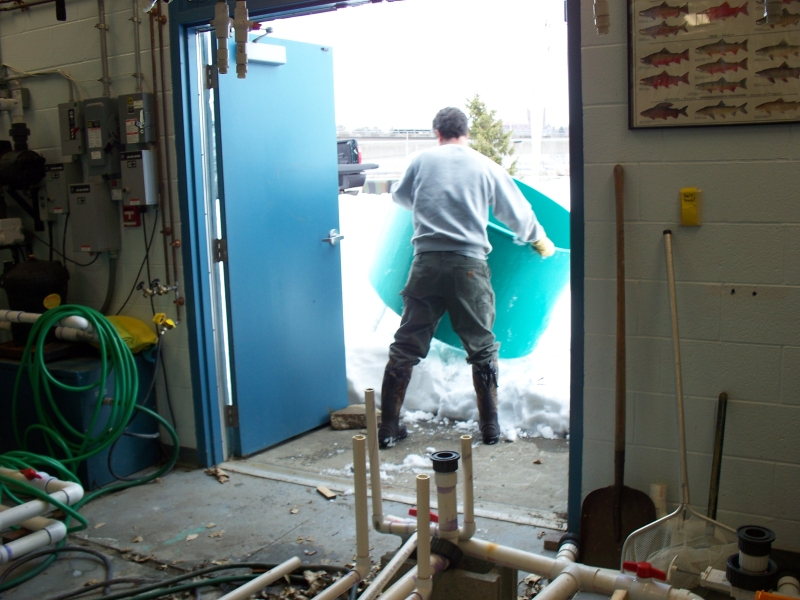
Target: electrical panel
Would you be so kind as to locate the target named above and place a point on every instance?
(136, 120)
(102, 136)
(54, 199)
(138, 178)
(94, 218)
(70, 121)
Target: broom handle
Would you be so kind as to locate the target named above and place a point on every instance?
(673, 309)
(621, 384)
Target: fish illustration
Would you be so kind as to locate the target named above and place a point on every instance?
(782, 49)
(664, 79)
(721, 66)
(724, 11)
(722, 47)
(783, 73)
(721, 109)
(664, 58)
(779, 105)
(787, 19)
(664, 111)
(664, 11)
(721, 85)
(663, 29)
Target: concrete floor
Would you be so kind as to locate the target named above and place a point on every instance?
(189, 519)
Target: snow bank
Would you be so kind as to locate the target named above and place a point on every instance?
(533, 390)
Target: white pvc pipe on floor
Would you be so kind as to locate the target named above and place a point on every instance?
(44, 532)
(262, 581)
(406, 585)
(467, 529)
(65, 492)
(380, 581)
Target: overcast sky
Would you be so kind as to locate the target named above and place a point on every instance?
(396, 64)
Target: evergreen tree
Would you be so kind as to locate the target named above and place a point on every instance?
(487, 135)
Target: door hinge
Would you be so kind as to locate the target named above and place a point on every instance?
(212, 77)
(232, 416)
(221, 250)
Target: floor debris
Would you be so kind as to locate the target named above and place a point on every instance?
(221, 475)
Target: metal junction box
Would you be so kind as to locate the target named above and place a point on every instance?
(139, 186)
(94, 218)
(70, 124)
(136, 120)
(54, 199)
(102, 136)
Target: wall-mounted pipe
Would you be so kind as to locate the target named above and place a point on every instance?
(260, 582)
(137, 45)
(103, 27)
(25, 5)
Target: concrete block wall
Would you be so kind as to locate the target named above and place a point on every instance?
(738, 288)
(34, 41)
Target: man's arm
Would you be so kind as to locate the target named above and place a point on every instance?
(511, 207)
(402, 190)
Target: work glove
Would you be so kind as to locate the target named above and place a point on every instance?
(544, 246)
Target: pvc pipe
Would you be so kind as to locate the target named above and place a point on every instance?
(424, 527)
(262, 581)
(568, 551)
(66, 492)
(340, 586)
(18, 316)
(401, 556)
(448, 512)
(374, 461)
(75, 335)
(423, 590)
(49, 532)
(103, 27)
(789, 586)
(753, 564)
(467, 530)
(406, 585)
(560, 588)
(363, 563)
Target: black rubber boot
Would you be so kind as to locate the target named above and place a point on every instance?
(484, 378)
(393, 392)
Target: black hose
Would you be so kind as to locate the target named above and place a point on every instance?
(112, 282)
(103, 584)
(50, 551)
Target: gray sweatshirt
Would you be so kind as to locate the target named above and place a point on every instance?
(450, 188)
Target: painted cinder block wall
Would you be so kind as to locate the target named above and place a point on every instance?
(745, 343)
(34, 41)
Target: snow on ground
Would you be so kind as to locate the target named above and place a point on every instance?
(533, 390)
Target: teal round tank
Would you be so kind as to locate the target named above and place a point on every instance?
(526, 286)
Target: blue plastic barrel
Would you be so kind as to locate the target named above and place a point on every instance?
(526, 285)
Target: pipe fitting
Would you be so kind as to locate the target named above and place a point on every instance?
(222, 30)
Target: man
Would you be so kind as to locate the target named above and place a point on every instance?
(449, 190)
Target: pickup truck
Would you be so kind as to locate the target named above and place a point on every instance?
(351, 170)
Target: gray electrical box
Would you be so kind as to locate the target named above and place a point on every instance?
(102, 136)
(138, 178)
(136, 120)
(70, 123)
(54, 199)
(94, 218)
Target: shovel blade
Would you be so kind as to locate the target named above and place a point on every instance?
(599, 544)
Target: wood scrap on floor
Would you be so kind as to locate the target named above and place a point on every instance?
(221, 475)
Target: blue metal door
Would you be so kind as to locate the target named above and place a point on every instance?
(280, 196)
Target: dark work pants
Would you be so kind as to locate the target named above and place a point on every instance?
(460, 285)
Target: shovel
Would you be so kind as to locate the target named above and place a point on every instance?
(610, 514)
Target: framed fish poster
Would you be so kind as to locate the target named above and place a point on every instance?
(712, 62)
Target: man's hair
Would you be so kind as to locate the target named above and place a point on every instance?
(451, 123)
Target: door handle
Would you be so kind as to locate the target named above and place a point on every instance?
(334, 237)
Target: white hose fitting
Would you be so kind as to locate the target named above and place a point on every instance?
(222, 31)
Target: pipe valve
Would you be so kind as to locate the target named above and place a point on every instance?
(222, 30)
(644, 570)
(242, 25)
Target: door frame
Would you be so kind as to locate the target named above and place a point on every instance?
(185, 17)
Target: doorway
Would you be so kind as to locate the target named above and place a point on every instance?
(380, 78)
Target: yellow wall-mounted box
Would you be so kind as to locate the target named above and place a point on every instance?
(691, 201)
